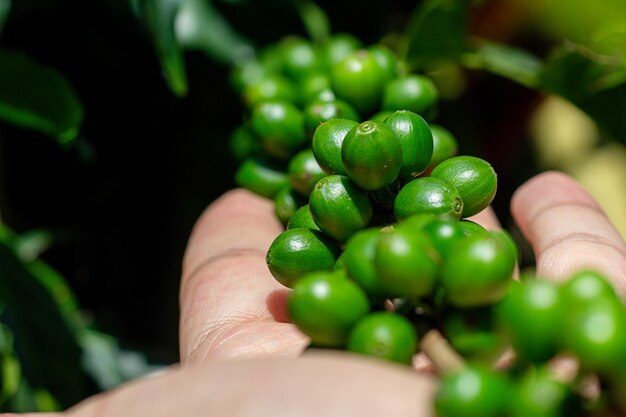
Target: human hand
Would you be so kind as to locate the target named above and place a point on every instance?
(232, 308)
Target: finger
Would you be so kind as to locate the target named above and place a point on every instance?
(568, 230)
(230, 303)
(487, 219)
(328, 384)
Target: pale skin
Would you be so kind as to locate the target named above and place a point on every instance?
(240, 356)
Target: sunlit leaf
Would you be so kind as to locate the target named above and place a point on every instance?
(38, 97)
(5, 7)
(437, 31)
(159, 16)
(509, 62)
(200, 26)
(315, 20)
(44, 340)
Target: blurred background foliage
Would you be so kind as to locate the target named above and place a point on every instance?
(135, 96)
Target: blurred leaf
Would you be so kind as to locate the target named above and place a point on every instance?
(509, 62)
(159, 16)
(200, 26)
(44, 340)
(10, 372)
(5, 8)
(45, 274)
(437, 31)
(594, 82)
(33, 243)
(38, 97)
(107, 364)
(315, 20)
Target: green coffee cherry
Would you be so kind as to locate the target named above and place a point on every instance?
(359, 255)
(280, 127)
(416, 140)
(243, 144)
(338, 47)
(261, 177)
(339, 207)
(271, 88)
(304, 172)
(302, 218)
(477, 272)
(539, 394)
(474, 334)
(406, 263)
(428, 195)
(444, 145)
(384, 336)
(414, 92)
(359, 80)
(596, 333)
(286, 202)
(319, 112)
(472, 392)
(296, 252)
(470, 228)
(325, 306)
(443, 234)
(315, 87)
(386, 59)
(473, 177)
(299, 57)
(327, 141)
(372, 155)
(532, 316)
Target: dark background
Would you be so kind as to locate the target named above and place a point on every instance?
(122, 200)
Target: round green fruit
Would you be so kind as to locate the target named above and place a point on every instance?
(478, 272)
(472, 392)
(406, 263)
(359, 255)
(416, 140)
(280, 127)
(428, 195)
(302, 218)
(386, 59)
(339, 207)
(325, 306)
(414, 92)
(261, 177)
(296, 252)
(473, 177)
(320, 111)
(385, 336)
(359, 80)
(445, 145)
(327, 141)
(286, 202)
(299, 57)
(338, 47)
(304, 172)
(271, 88)
(371, 154)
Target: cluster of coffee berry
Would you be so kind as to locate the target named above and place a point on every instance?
(378, 249)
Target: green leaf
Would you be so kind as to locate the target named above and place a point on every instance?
(44, 340)
(509, 62)
(200, 26)
(437, 31)
(594, 82)
(315, 20)
(38, 97)
(33, 243)
(5, 7)
(107, 364)
(10, 370)
(159, 16)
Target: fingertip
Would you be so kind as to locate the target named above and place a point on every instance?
(544, 190)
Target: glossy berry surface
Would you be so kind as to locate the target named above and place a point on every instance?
(325, 306)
